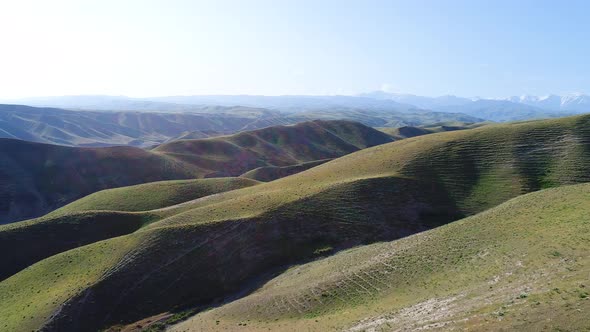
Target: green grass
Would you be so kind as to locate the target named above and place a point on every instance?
(198, 252)
(40, 238)
(499, 263)
(54, 281)
(154, 195)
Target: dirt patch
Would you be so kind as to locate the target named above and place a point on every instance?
(142, 324)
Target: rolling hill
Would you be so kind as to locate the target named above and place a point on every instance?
(142, 129)
(274, 146)
(99, 216)
(197, 254)
(34, 176)
(520, 266)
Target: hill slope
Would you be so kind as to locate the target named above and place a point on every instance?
(37, 178)
(197, 253)
(520, 266)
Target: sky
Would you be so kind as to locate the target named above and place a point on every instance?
(144, 48)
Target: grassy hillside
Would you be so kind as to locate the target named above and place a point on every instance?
(520, 266)
(25, 243)
(37, 178)
(199, 252)
(154, 195)
(270, 173)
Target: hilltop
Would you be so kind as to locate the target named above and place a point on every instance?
(35, 175)
(198, 253)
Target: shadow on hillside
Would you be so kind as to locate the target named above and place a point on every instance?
(198, 265)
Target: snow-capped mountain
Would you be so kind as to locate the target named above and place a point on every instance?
(501, 110)
(572, 102)
(577, 102)
(495, 109)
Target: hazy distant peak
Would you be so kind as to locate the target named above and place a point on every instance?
(418, 101)
(570, 102)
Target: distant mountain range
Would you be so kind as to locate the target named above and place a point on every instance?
(196, 103)
(419, 101)
(505, 109)
(100, 128)
(573, 102)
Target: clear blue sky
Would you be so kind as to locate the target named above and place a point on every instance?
(171, 47)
